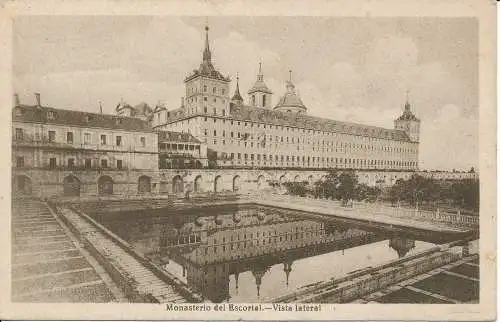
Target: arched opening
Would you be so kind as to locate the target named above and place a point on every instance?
(218, 184)
(144, 184)
(236, 183)
(310, 179)
(282, 179)
(197, 184)
(71, 186)
(296, 178)
(22, 185)
(260, 181)
(105, 185)
(163, 187)
(177, 185)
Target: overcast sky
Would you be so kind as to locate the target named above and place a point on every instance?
(353, 69)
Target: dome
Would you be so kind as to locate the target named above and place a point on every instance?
(290, 102)
(260, 86)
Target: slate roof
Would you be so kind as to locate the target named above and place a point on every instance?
(408, 115)
(259, 86)
(169, 136)
(268, 116)
(49, 115)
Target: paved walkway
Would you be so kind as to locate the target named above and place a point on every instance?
(139, 279)
(327, 208)
(49, 265)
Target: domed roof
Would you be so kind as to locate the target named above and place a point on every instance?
(290, 100)
(408, 114)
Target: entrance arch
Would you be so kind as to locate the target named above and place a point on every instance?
(236, 183)
(310, 179)
(177, 184)
(144, 184)
(296, 178)
(22, 185)
(105, 185)
(71, 186)
(282, 179)
(260, 181)
(197, 184)
(217, 184)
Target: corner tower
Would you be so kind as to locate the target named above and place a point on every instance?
(408, 123)
(207, 90)
(260, 95)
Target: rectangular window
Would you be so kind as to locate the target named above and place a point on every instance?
(52, 136)
(69, 137)
(119, 164)
(52, 163)
(19, 134)
(118, 140)
(143, 141)
(86, 138)
(88, 163)
(103, 139)
(104, 163)
(20, 162)
(71, 163)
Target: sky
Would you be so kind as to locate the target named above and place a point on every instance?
(348, 69)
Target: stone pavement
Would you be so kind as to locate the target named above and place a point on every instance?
(327, 208)
(49, 265)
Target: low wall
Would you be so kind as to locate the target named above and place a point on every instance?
(357, 285)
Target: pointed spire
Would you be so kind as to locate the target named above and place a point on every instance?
(290, 71)
(207, 55)
(407, 103)
(260, 76)
(100, 106)
(237, 96)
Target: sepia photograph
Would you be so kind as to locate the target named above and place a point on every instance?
(249, 163)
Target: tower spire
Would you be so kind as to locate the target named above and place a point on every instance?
(207, 55)
(290, 72)
(237, 96)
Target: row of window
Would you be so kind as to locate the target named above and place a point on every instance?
(194, 90)
(174, 146)
(19, 135)
(304, 159)
(351, 128)
(315, 144)
(71, 163)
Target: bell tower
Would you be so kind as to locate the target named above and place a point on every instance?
(408, 123)
(260, 95)
(207, 90)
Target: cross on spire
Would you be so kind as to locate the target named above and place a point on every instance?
(207, 55)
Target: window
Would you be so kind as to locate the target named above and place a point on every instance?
(71, 163)
(69, 137)
(52, 163)
(205, 111)
(263, 100)
(104, 163)
(86, 138)
(119, 164)
(20, 162)
(103, 139)
(88, 163)
(52, 136)
(204, 88)
(143, 141)
(19, 134)
(118, 140)
(51, 115)
(253, 100)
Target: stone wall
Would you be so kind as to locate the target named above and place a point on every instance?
(48, 183)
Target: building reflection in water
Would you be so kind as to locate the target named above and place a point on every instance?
(208, 251)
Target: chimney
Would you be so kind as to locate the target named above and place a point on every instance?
(37, 97)
(16, 100)
(182, 101)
